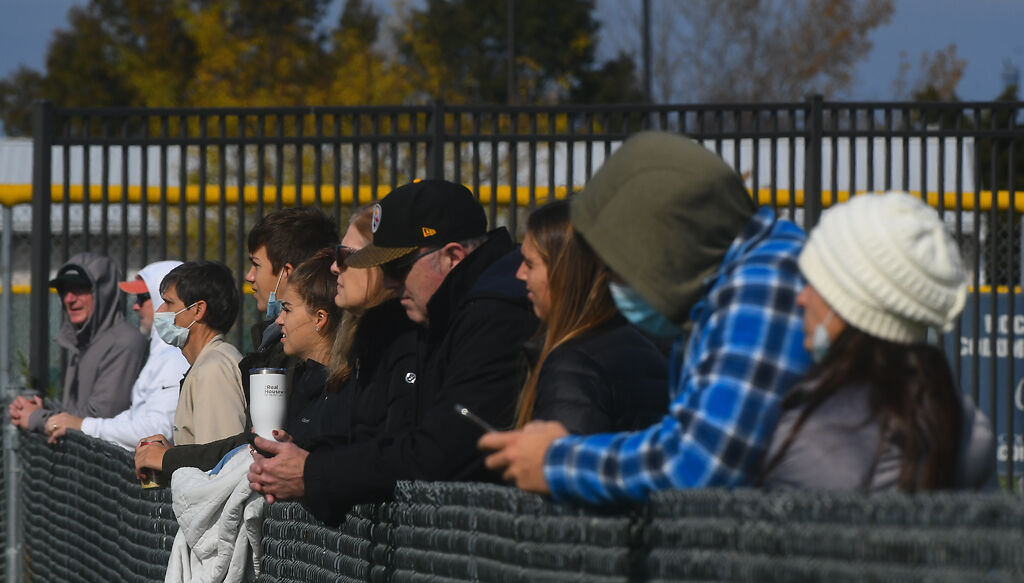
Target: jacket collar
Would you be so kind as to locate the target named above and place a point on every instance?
(473, 277)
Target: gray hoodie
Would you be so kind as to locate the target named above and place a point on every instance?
(105, 355)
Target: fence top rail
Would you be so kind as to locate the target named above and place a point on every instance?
(766, 107)
(246, 111)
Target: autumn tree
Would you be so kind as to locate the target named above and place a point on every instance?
(755, 50)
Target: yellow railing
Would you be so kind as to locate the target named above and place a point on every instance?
(11, 194)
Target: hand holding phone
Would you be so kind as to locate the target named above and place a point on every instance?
(466, 413)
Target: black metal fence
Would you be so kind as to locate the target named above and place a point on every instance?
(148, 184)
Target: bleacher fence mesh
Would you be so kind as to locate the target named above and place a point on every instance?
(87, 519)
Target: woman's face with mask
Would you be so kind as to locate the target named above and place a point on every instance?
(817, 313)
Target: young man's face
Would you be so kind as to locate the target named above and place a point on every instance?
(78, 303)
(262, 277)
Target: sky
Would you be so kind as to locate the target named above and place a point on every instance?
(987, 34)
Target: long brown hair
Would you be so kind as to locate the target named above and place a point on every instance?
(912, 396)
(342, 361)
(577, 284)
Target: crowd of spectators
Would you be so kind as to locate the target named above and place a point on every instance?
(655, 331)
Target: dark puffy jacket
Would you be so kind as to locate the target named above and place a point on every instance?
(610, 379)
(478, 318)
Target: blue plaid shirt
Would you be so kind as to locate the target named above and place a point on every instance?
(745, 351)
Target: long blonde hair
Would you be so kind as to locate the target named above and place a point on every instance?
(578, 287)
(342, 357)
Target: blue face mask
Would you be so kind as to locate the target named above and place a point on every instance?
(641, 314)
(274, 304)
(820, 342)
(170, 332)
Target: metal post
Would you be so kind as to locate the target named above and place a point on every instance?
(511, 30)
(12, 544)
(435, 148)
(39, 317)
(812, 161)
(646, 33)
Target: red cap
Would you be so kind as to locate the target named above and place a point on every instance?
(135, 286)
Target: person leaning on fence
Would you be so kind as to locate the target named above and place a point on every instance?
(457, 281)
(155, 392)
(370, 389)
(277, 243)
(594, 372)
(880, 410)
(200, 305)
(690, 253)
(105, 352)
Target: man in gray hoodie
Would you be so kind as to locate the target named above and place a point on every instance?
(105, 352)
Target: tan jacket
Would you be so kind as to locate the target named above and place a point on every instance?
(211, 404)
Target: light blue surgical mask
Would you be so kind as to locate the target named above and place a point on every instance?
(170, 332)
(640, 313)
(274, 304)
(820, 342)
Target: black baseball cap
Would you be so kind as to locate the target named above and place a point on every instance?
(71, 276)
(424, 213)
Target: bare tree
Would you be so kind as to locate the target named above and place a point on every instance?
(752, 50)
(938, 76)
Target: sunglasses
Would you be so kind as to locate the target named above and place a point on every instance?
(341, 253)
(141, 299)
(399, 268)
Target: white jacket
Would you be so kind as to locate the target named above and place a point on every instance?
(155, 392)
(219, 520)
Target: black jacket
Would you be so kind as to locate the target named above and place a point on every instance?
(608, 380)
(375, 401)
(478, 318)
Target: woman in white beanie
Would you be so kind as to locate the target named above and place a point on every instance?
(880, 409)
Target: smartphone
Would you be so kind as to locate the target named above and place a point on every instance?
(465, 412)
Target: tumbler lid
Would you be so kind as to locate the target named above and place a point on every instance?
(266, 370)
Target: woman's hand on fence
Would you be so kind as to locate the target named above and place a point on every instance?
(21, 409)
(519, 455)
(149, 455)
(279, 477)
(57, 426)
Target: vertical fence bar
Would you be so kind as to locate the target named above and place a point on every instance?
(105, 189)
(435, 145)
(300, 123)
(39, 317)
(240, 240)
(125, 161)
(201, 221)
(812, 161)
(183, 190)
(12, 480)
(222, 185)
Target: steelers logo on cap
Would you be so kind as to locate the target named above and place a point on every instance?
(376, 218)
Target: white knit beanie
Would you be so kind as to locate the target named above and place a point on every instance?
(887, 266)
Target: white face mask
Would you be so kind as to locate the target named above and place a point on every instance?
(170, 332)
(274, 304)
(820, 342)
